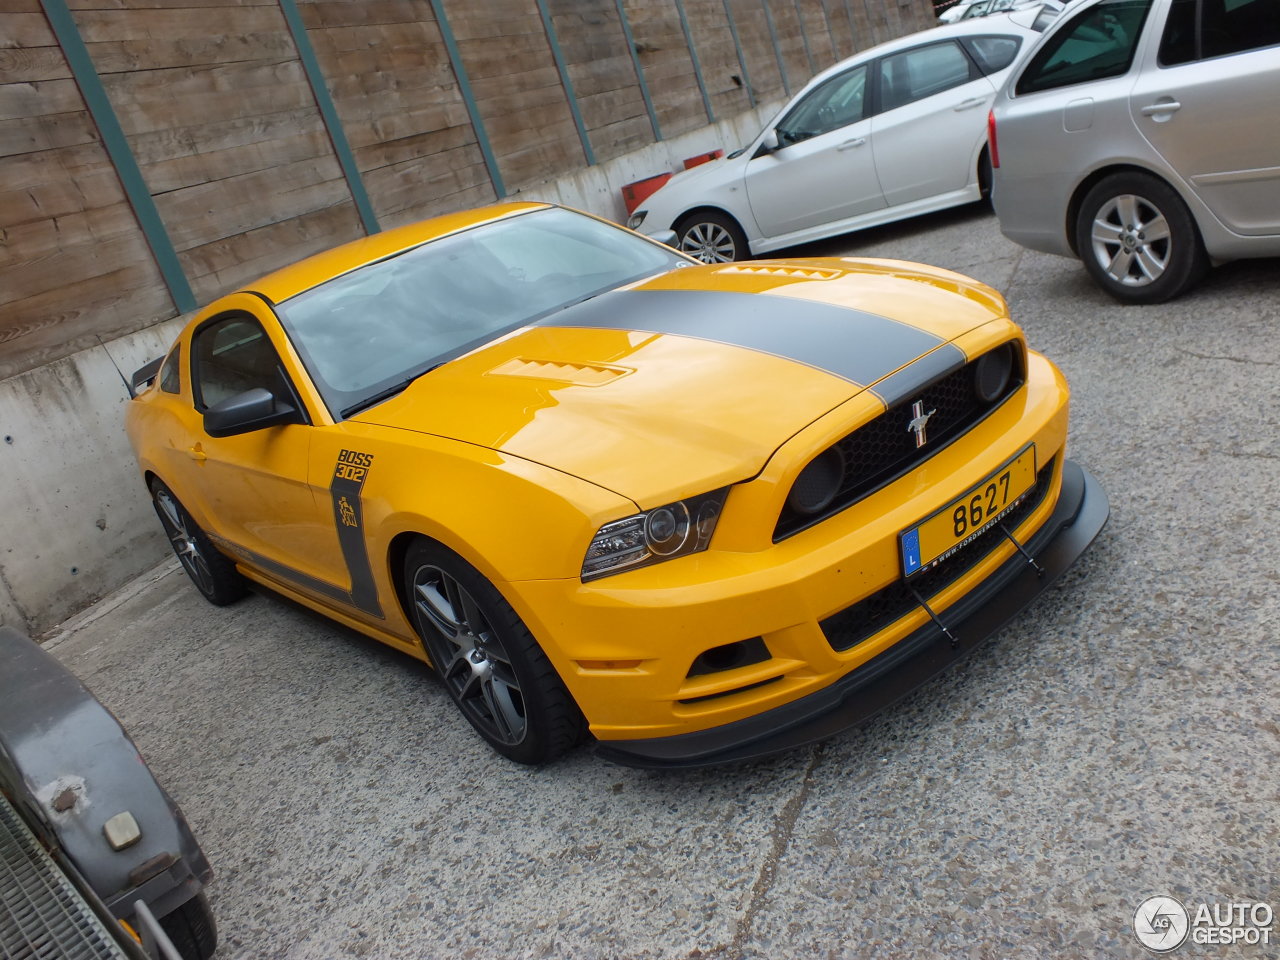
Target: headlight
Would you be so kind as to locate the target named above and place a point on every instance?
(636, 219)
(674, 530)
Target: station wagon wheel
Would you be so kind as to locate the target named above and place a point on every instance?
(488, 661)
(1138, 240)
(213, 574)
(711, 237)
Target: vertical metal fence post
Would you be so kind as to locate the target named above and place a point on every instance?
(329, 114)
(697, 65)
(119, 152)
(777, 50)
(737, 45)
(635, 62)
(804, 37)
(550, 28)
(468, 98)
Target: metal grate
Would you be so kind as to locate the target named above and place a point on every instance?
(883, 449)
(869, 616)
(42, 915)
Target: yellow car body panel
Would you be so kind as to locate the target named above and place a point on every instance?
(516, 453)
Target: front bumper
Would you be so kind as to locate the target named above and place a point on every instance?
(1081, 512)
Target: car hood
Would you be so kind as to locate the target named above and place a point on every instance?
(691, 380)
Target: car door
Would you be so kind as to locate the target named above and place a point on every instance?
(822, 170)
(933, 103)
(1209, 108)
(253, 489)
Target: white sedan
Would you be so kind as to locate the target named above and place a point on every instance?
(896, 131)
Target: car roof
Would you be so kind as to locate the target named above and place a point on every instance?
(976, 26)
(315, 270)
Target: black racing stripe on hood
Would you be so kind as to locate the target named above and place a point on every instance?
(857, 346)
(899, 387)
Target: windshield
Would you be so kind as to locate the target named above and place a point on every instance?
(368, 333)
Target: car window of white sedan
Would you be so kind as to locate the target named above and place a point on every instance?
(1097, 43)
(922, 72)
(836, 103)
(993, 54)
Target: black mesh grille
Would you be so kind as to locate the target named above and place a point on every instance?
(884, 449)
(854, 624)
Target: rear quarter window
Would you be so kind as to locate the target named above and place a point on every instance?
(992, 54)
(1097, 43)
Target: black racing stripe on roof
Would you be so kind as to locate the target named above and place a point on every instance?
(858, 346)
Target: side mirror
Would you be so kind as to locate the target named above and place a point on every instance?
(666, 236)
(768, 145)
(245, 412)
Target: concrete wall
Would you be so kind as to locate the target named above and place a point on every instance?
(75, 520)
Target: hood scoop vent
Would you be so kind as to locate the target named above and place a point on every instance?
(580, 374)
(798, 273)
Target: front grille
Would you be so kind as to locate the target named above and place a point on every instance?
(869, 616)
(880, 451)
(45, 916)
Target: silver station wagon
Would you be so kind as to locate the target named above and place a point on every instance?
(1143, 136)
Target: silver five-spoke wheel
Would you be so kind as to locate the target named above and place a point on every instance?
(1131, 240)
(1137, 238)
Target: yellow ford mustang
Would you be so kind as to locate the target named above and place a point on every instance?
(707, 512)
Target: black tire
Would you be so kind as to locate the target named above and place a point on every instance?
(1138, 240)
(191, 928)
(712, 237)
(213, 574)
(985, 175)
(494, 670)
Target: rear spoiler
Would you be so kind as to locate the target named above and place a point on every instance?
(145, 374)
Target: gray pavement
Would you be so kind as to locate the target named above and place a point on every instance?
(1118, 740)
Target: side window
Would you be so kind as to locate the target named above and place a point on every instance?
(1225, 27)
(922, 72)
(837, 103)
(992, 54)
(230, 356)
(1097, 43)
(171, 371)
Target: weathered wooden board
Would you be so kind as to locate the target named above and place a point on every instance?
(400, 105)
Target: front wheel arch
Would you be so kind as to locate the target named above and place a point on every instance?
(541, 719)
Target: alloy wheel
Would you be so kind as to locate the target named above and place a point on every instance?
(184, 542)
(709, 242)
(1131, 240)
(470, 656)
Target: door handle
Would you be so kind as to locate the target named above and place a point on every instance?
(196, 453)
(969, 104)
(1164, 106)
(850, 144)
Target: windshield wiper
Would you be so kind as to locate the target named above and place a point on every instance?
(386, 393)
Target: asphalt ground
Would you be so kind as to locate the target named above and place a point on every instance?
(1118, 740)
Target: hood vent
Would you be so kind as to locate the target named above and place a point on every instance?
(798, 273)
(581, 374)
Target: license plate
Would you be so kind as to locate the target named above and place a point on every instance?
(940, 535)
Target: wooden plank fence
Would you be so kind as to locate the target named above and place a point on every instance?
(249, 159)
